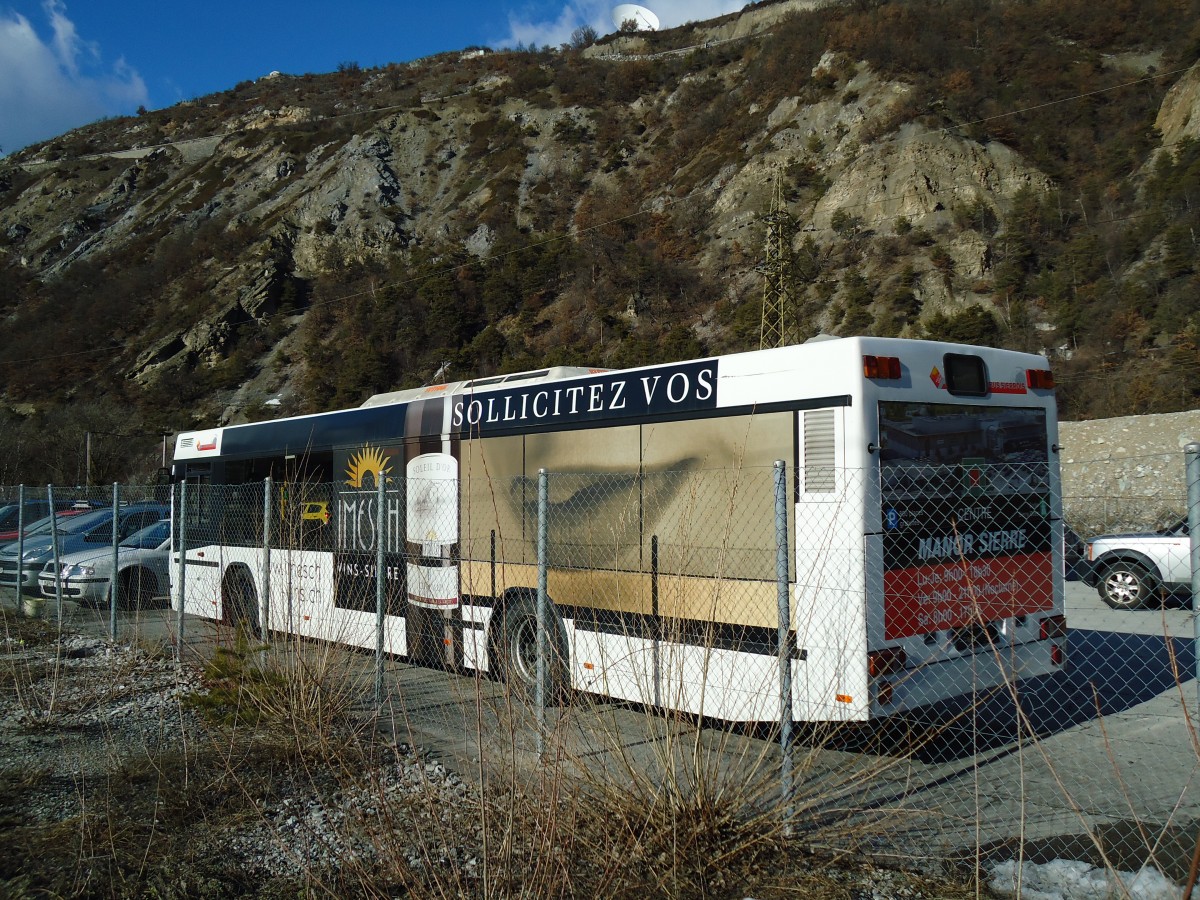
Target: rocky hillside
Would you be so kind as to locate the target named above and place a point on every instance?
(1010, 173)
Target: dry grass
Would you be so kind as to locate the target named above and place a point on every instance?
(281, 747)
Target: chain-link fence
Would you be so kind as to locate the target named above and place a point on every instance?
(871, 664)
(63, 544)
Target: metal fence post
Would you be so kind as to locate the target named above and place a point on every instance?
(20, 545)
(655, 622)
(182, 578)
(380, 587)
(54, 548)
(783, 598)
(265, 618)
(1191, 454)
(113, 581)
(539, 693)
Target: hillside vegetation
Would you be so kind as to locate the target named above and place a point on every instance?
(1019, 172)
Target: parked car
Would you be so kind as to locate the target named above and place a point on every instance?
(143, 570)
(78, 533)
(42, 525)
(36, 514)
(1130, 570)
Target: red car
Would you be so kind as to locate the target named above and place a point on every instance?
(9, 534)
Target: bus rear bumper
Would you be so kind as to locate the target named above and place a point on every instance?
(988, 671)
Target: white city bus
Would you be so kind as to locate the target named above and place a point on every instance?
(924, 523)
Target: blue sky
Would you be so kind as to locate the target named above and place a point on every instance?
(64, 63)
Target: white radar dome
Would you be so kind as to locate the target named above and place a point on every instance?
(643, 19)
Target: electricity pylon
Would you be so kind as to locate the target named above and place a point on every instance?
(778, 327)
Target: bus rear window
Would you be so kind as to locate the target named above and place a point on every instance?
(924, 434)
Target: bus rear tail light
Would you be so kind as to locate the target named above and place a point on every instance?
(1058, 656)
(884, 367)
(1039, 379)
(1053, 627)
(886, 662)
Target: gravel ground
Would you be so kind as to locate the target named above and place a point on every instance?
(115, 782)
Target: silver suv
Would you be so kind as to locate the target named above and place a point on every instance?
(1130, 569)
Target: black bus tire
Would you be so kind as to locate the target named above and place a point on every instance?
(239, 600)
(513, 648)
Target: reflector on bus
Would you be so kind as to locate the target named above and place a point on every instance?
(888, 661)
(1052, 627)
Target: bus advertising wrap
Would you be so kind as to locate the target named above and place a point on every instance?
(668, 391)
(965, 506)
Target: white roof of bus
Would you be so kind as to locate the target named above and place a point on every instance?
(553, 373)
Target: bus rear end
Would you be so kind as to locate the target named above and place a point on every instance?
(962, 580)
(966, 554)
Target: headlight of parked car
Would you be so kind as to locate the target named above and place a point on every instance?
(79, 571)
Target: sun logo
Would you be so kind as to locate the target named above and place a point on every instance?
(367, 467)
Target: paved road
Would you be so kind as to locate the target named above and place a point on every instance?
(1115, 753)
(1105, 748)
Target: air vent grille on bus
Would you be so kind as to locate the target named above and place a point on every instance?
(187, 443)
(819, 457)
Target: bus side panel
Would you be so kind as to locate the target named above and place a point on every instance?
(829, 600)
(492, 497)
(203, 583)
(722, 669)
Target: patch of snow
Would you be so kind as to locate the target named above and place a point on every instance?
(1068, 879)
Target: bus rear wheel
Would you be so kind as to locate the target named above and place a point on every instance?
(515, 649)
(240, 601)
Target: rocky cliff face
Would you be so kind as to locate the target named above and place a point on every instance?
(245, 230)
(1179, 116)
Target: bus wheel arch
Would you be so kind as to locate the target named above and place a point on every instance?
(512, 644)
(239, 598)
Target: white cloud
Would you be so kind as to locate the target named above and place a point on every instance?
(51, 86)
(66, 41)
(598, 14)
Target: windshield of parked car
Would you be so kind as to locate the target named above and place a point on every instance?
(85, 522)
(149, 537)
(9, 515)
(42, 526)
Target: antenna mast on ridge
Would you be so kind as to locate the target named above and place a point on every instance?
(778, 328)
